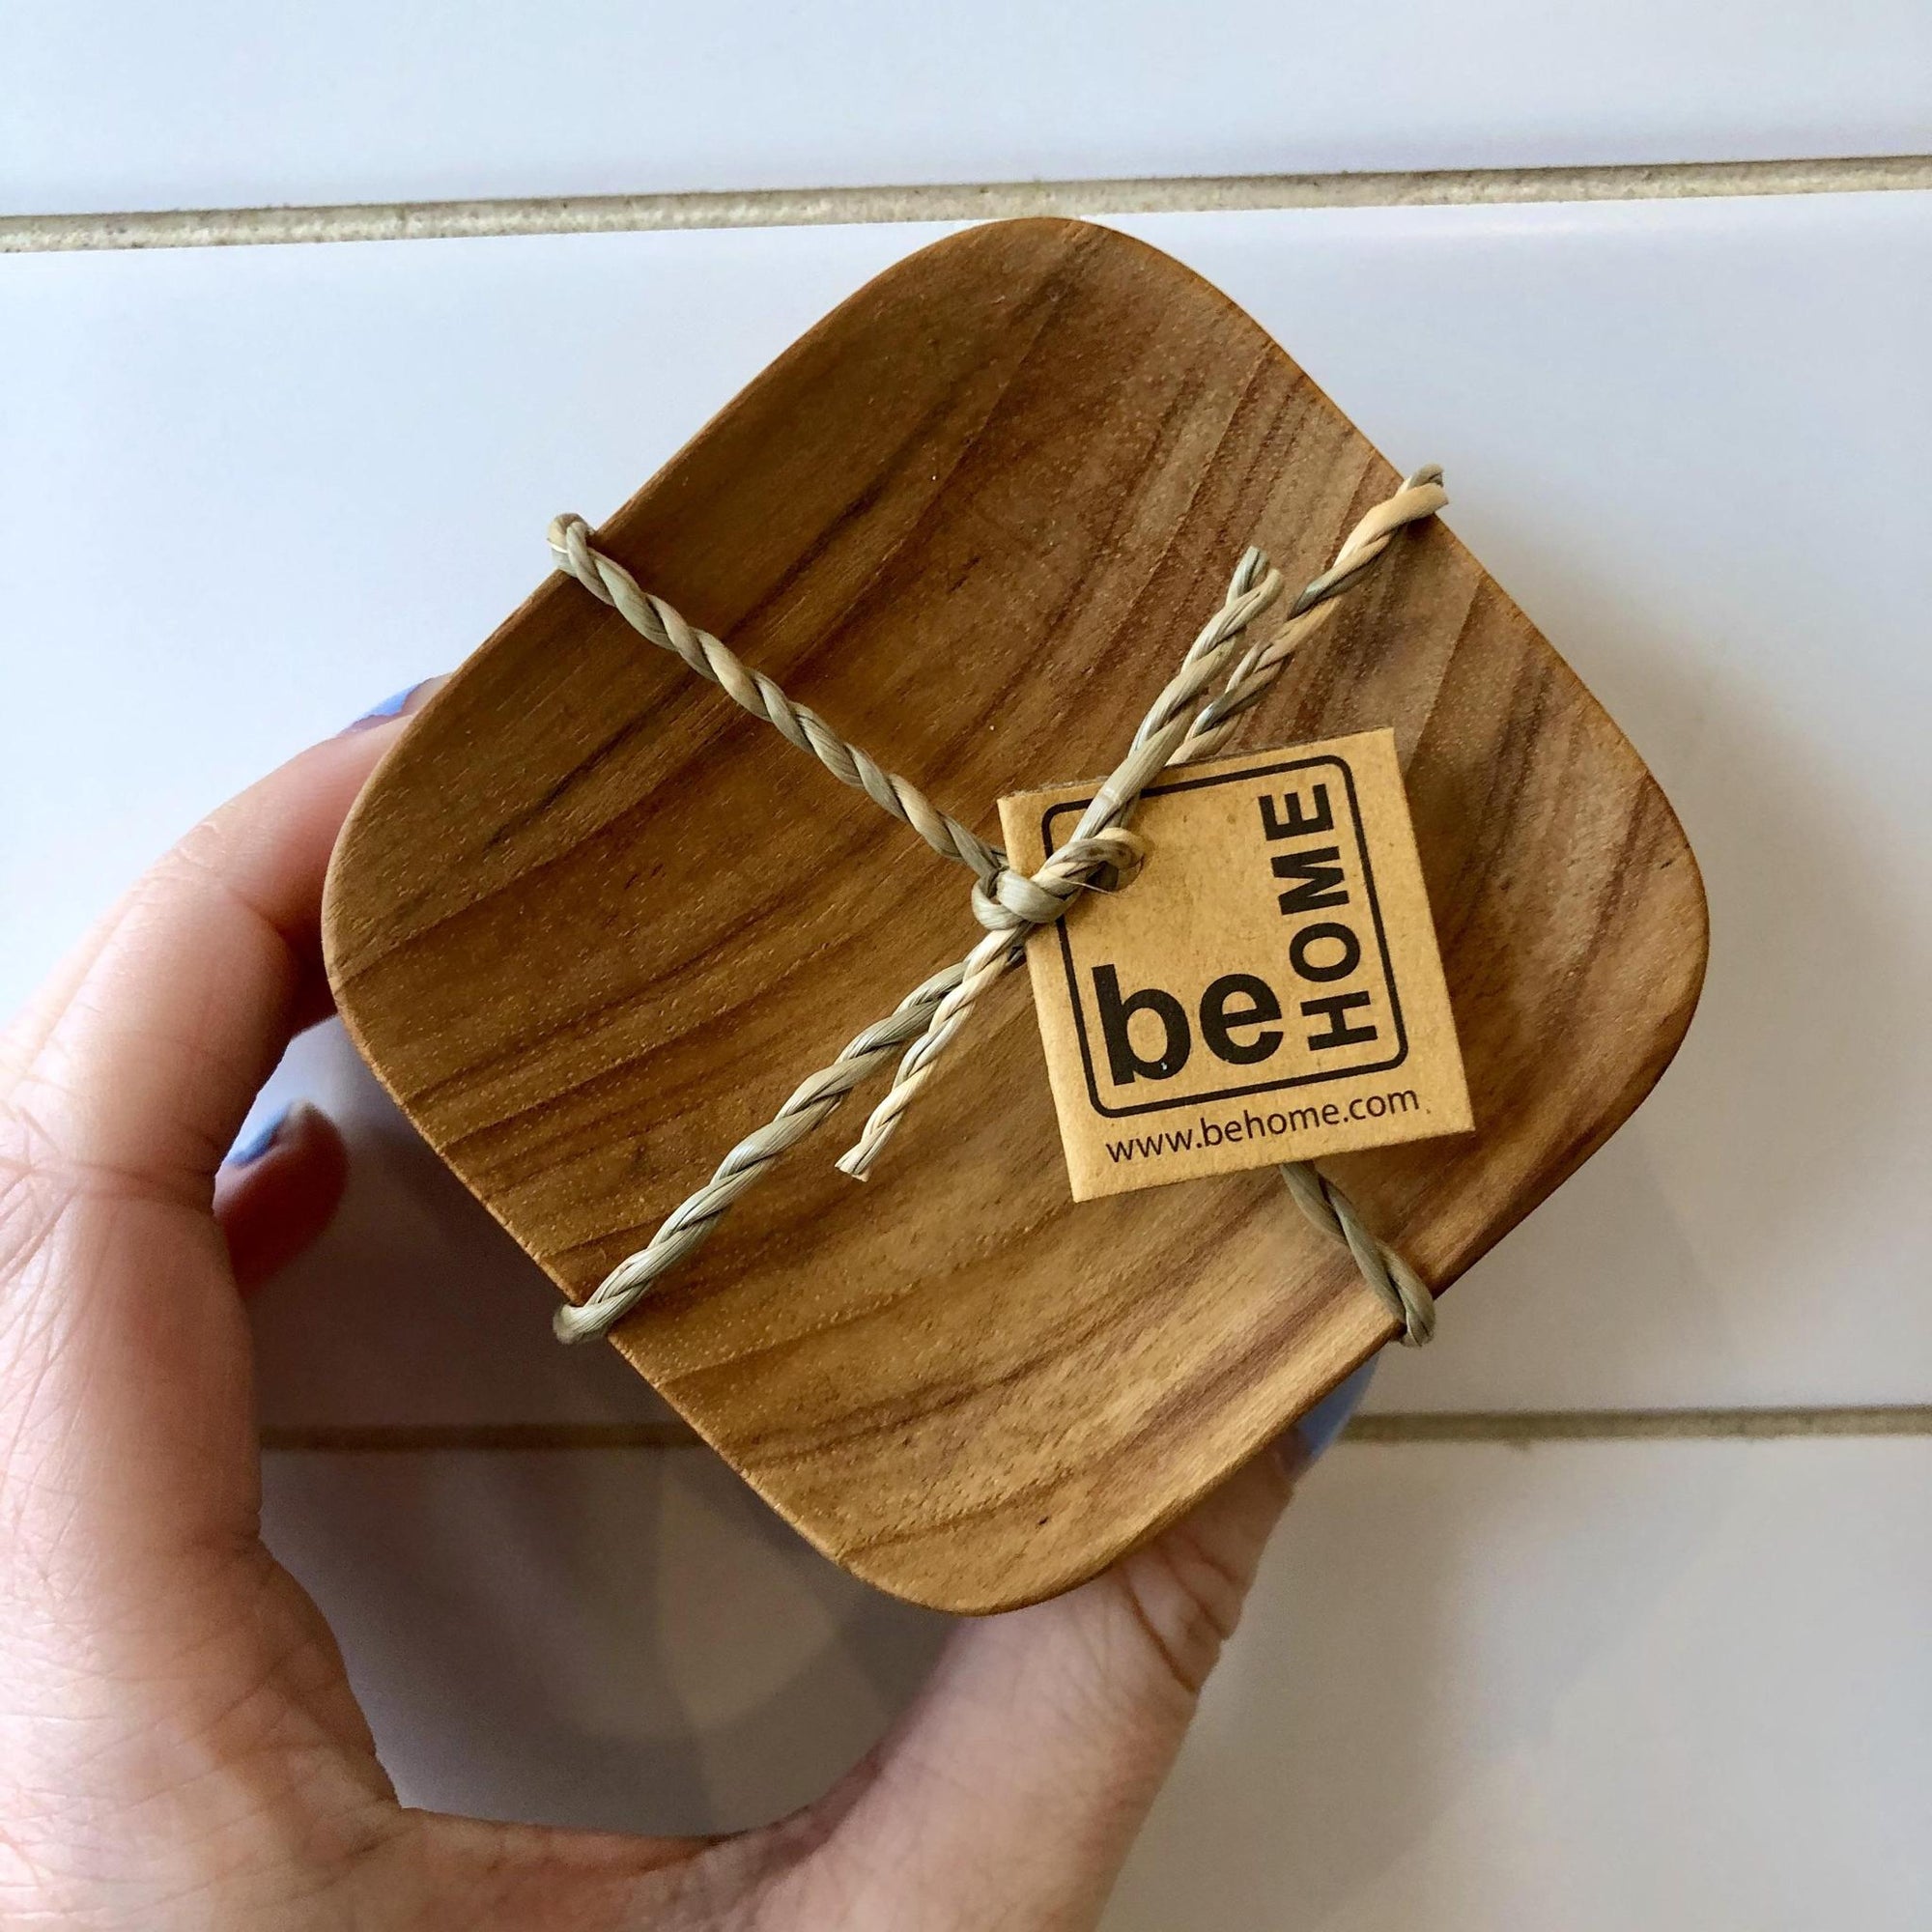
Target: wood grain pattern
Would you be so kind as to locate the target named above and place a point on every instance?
(589, 923)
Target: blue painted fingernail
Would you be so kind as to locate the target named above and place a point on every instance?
(400, 703)
(1323, 1423)
(259, 1142)
(391, 706)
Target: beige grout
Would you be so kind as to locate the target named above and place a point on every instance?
(1523, 1427)
(785, 208)
(389, 1438)
(1520, 1428)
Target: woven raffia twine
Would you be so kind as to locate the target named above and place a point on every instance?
(1182, 726)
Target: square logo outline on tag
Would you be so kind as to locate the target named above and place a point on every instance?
(1246, 775)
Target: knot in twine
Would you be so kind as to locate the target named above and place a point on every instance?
(1011, 902)
(1102, 854)
(1095, 844)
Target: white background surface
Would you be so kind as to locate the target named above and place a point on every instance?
(245, 494)
(220, 103)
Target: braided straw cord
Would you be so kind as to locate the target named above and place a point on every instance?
(1166, 736)
(689, 1226)
(1420, 496)
(1007, 904)
(1402, 1290)
(651, 617)
(1013, 906)
(1086, 854)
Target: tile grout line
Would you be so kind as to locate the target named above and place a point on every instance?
(1521, 1428)
(788, 207)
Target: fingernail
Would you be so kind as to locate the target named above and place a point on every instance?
(1315, 1431)
(411, 699)
(259, 1142)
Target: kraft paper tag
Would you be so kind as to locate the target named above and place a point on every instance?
(1266, 989)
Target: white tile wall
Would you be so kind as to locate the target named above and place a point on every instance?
(108, 107)
(1688, 435)
(245, 494)
(317, 475)
(1589, 1687)
(1592, 1687)
(1669, 430)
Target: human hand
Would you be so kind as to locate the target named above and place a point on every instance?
(179, 1743)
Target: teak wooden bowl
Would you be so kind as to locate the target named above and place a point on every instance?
(590, 923)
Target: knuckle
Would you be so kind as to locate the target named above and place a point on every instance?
(1188, 1599)
(33, 1192)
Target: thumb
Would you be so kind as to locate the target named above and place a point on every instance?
(1016, 1783)
(123, 1354)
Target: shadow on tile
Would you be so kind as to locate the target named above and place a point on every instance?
(624, 1639)
(415, 1306)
